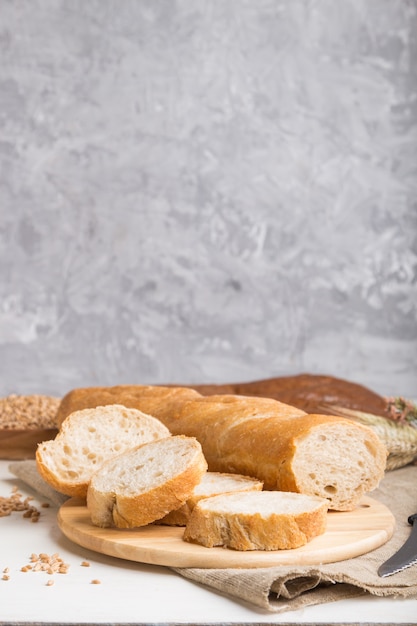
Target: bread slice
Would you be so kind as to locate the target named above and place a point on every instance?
(212, 484)
(87, 439)
(263, 520)
(142, 485)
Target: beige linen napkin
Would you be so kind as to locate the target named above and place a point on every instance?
(27, 472)
(283, 588)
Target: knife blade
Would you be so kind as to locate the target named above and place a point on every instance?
(405, 556)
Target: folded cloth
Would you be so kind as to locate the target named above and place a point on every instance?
(287, 588)
(27, 472)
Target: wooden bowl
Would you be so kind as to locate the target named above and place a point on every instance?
(22, 444)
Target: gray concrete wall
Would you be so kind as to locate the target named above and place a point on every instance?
(207, 191)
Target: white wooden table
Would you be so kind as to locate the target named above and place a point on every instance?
(132, 593)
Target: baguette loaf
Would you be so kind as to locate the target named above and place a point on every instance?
(263, 520)
(212, 484)
(281, 445)
(89, 437)
(319, 455)
(144, 484)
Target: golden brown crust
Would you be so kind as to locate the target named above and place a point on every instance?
(179, 517)
(230, 429)
(70, 489)
(154, 400)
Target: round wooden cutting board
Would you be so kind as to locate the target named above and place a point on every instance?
(348, 534)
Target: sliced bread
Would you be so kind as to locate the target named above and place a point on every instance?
(144, 484)
(288, 450)
(87, 439)
(263, 520)
(212, 484)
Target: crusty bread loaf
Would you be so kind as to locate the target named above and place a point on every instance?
(326, 456)
(144, 484)
(89, 437)
(153, 400)
(263, 520)
(282, 446)
(212, 484)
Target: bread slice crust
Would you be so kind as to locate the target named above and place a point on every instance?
(144, 484)
(262, 520)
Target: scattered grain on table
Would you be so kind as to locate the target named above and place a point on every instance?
(16, 503)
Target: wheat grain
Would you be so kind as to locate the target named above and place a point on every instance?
(28, 412)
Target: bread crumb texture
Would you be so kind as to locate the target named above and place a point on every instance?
(355, 461)
(212, 484)
(144, 484)
(87, 439)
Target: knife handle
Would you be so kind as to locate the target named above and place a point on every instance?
(412, 518)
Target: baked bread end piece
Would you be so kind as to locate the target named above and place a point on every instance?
(263, 520)
(341, 461)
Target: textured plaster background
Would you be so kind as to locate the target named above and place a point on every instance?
(207, 191)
